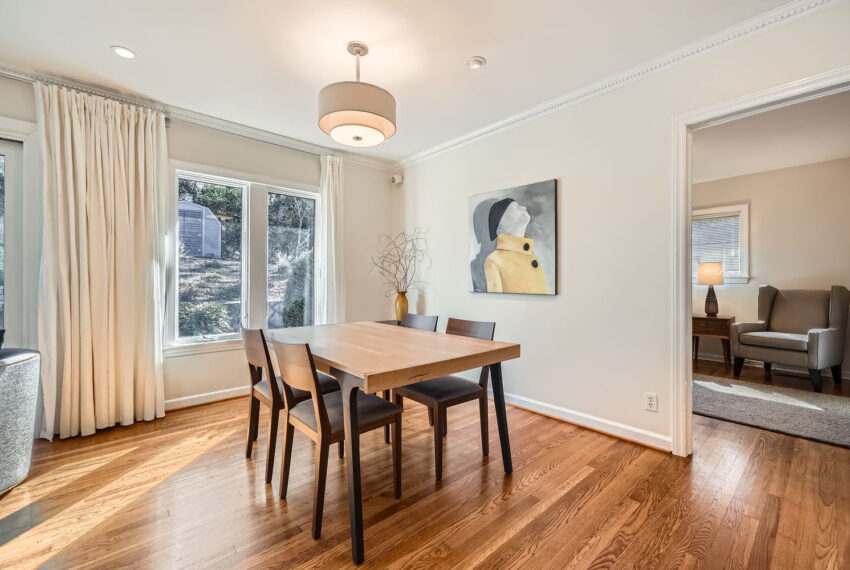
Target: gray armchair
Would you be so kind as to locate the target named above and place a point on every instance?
(797, 328)
(19, 374)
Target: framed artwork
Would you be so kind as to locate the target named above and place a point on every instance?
(513, 240)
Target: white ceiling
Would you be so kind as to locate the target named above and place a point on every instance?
(813, 131)
(261, 63)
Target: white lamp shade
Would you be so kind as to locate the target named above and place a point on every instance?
(710, 273)
(357, 114)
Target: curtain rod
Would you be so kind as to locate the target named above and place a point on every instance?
(84, 88)
(169, 112)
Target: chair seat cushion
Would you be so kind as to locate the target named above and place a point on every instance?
(372, 411)
(769, 339)
(326, 384)
(442, 389)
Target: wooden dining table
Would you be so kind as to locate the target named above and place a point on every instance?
(373, 357)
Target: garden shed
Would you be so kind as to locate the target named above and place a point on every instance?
(200, 230)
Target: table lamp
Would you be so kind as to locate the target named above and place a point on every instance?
(710, 274)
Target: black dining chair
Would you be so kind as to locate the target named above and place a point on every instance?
(439, 394)
(411, 321)
(321, 419)
(270, 393)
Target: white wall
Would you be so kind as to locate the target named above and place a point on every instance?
(799, 235)
(591, 352)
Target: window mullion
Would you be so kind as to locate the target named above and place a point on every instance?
(255, 255)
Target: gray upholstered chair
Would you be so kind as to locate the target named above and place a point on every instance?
(798, 328)
(19, 375)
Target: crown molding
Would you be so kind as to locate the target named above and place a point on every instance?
(195, 118)
(789, 12)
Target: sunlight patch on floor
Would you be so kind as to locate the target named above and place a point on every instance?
(46, 540)
(747, 392)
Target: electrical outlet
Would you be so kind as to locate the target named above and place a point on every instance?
(650, 401)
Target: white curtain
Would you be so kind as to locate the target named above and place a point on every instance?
(101, 300)
(332, 295)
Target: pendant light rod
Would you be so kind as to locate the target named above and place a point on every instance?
(357, 49)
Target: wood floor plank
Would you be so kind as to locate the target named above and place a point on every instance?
(179, 493)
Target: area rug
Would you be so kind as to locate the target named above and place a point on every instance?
(821, 417)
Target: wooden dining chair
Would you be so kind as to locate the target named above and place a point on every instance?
(270, 393)
(421, 322)
(439, 394)
(321, 419)
(411, 321)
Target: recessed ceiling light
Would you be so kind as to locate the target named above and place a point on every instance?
(124, 52)
(476, 62)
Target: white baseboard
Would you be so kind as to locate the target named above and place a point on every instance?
(609, 427)
(845, 373)
(206, 398)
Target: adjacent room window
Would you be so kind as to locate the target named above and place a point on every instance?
(291, 267)
(209, 224)
(246, 254)
(722, 234)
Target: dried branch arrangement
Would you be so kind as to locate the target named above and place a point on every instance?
(398, 258)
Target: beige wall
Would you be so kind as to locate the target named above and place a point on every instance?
(590, 353)
(17, 100)
(202, 145)
(799, 233)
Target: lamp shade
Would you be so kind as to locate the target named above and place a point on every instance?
(710, 273)
(357, 114)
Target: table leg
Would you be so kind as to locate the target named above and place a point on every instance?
(501, 415)
(727, 352)
(350, 388)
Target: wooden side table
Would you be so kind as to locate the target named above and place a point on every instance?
(714, 327)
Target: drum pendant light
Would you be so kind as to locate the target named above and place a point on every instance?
(354, 113)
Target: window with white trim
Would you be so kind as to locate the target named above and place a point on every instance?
(722, 234)
(246, 255)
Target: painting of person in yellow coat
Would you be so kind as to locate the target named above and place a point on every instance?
(504, 243)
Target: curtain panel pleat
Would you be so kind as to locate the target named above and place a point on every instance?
(331, 300)
(101, 298)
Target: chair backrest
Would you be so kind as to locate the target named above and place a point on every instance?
(297, 370)
(421, 322)
(475, 329)
(839, 304)
(798, 311)
(259, 359)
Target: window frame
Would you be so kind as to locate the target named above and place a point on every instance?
(13, 238)
(256, 190)
(742, 210)
(318, 250)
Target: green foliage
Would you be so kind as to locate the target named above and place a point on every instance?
(203, 318)
(294, 315)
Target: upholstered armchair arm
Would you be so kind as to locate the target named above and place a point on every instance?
(826, 348)
(741, 328)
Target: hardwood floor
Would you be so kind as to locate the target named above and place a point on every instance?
(179, 493)
(778, 378)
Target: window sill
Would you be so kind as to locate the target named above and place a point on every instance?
(189, 349)
(731, 281)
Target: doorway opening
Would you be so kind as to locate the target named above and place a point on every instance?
(757, 180)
